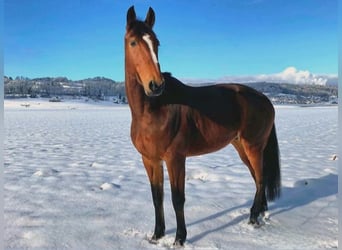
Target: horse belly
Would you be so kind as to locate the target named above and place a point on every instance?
(210, 141)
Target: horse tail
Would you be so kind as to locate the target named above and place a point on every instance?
(271, 171)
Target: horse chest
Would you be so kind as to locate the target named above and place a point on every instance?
(148, 138)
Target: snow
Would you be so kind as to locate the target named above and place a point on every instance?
(73, 180)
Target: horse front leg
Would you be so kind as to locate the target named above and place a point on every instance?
(154, 169)
(176, 171)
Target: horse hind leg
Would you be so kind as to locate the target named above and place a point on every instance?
(255, 156)
(252, 157)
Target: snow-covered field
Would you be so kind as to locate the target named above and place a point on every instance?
(73, 180)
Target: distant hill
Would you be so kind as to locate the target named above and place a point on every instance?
(97, 87)
(101, 87)
(285, 93)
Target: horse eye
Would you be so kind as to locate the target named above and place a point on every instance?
(133, 43)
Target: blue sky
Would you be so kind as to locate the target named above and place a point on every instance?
(200, 39)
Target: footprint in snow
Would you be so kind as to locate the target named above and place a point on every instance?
(107, 186)
(202, 176)
(46, 172)
(334, 157)
(97, 165)
(301, 183)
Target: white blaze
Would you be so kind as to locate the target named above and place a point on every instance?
(148, 40)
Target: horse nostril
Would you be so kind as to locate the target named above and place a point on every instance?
(153, 86)
(156, 89)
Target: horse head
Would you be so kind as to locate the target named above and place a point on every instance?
(141, 52)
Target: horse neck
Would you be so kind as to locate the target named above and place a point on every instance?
(175, 93)
(179, 93)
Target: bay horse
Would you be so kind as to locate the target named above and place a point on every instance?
(171, 121)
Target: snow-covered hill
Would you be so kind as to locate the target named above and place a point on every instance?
(100, 88)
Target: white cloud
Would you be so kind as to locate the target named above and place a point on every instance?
(288, 75)
(292, 75)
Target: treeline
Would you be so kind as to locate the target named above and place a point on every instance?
(285, 93)
(100, 88)
(97, 87)
(305, 90)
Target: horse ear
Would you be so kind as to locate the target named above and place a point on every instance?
(131, 16)
(150, 17)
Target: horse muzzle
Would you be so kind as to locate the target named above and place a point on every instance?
(155, 89)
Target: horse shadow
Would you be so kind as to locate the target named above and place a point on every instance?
(304, 192)
(233, 222)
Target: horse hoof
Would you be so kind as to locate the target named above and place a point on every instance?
(178, 243)
(154, 239)
(254, 222)
(265, 216)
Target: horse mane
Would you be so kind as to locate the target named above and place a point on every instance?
(167, 74)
